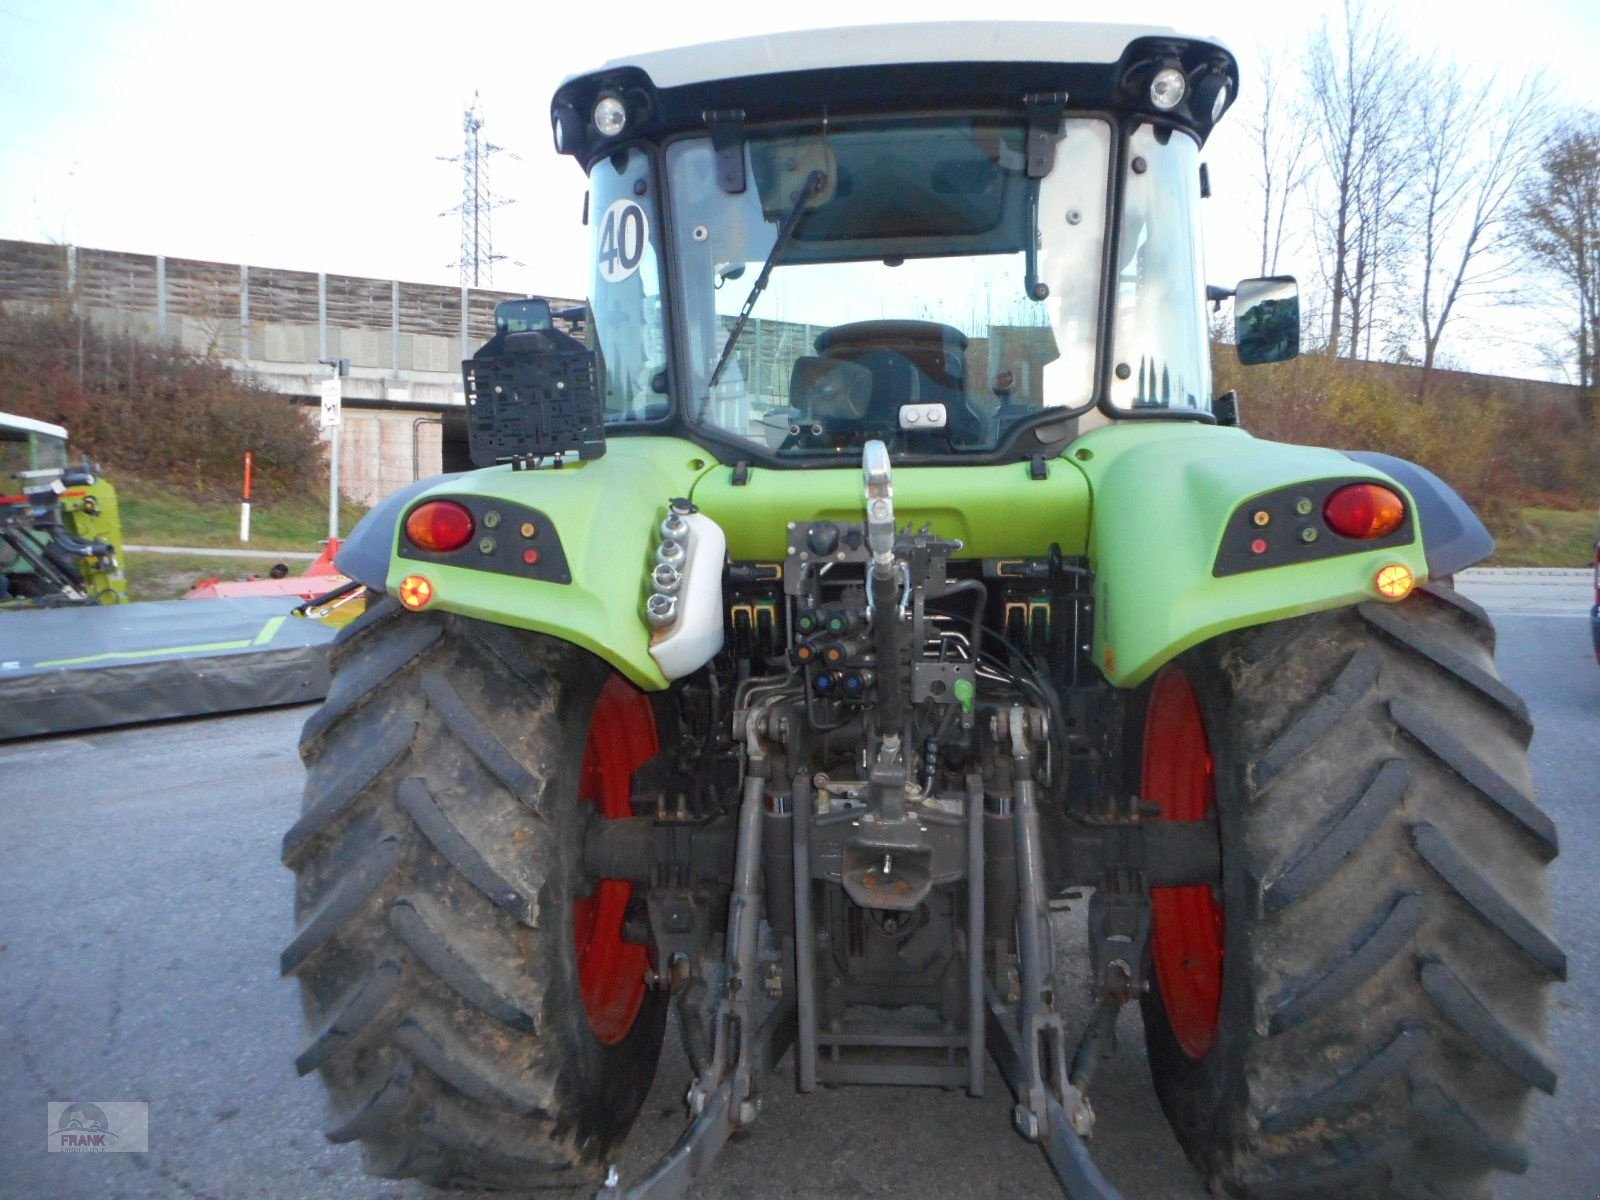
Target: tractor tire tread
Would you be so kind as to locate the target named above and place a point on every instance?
(1492, 1034)
(434, 859)
(1383, 1049)
(366, 675)
(1392, 623)
(334, 783)
(519, 897)
(1466, 762)
(364, 1005)
(1479, 891)
(1351, 1089)
(1352, 966)
(1348, 689)
(1365, 812)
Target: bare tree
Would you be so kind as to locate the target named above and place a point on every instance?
(1358, 83)
(1559, 227)
(1383, 200)
(1276, 132)
(1475, 144)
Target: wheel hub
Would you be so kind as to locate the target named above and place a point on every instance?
(611, 971)
(1186, 942)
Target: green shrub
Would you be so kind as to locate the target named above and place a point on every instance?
(153, 410)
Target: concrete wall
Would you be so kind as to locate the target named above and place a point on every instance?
(380, 451)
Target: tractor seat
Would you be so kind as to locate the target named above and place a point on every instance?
(909, 362)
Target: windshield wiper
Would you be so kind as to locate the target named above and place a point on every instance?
(811, 187)
(1033, 287)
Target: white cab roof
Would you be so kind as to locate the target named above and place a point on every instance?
(874, 45)
(29, 425)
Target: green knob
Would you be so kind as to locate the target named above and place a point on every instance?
(964, 692)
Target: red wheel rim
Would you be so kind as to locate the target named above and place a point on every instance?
(1186, 941)
(622, 738)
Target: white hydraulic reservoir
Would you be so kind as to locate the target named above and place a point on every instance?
(693, 634)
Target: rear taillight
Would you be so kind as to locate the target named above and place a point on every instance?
(439, 526)
(1364, 511)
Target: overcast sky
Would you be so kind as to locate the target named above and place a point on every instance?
(307, 135)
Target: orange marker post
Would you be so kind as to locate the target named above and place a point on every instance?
(244, 499)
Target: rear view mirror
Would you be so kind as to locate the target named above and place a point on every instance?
(1266, 319)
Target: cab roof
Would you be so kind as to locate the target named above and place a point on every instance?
(884, 68)
(875, 45)
(15, 424)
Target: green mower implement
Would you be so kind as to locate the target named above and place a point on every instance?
(868, 567)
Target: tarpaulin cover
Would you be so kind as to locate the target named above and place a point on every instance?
(65, 669)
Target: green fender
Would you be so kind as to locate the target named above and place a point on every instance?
(1148, 502)
(1162, 494)
(606, 513)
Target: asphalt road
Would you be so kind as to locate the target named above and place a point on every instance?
(142, 909)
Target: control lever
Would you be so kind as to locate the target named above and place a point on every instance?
(880, 507)
(892, 677)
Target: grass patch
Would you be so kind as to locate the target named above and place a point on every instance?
(1544, 537)
(155, 514)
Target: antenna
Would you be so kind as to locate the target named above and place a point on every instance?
(478, 200)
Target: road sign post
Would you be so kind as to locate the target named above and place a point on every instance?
(331, 419)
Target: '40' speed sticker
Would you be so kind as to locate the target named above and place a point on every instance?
(624, 233)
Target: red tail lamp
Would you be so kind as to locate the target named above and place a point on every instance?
(439, 526)
(1364, 511)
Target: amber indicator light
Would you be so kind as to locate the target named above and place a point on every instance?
(1394, 582)
(1364, 511)
(439, 526)
(415, 592)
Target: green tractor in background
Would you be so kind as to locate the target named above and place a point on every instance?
(59, 525)
(873, 570)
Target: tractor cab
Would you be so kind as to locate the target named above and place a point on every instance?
(32, 454)
(958, 240)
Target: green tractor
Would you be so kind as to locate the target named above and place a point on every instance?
(868, 570)
(60, 528)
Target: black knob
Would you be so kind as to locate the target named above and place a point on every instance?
(823, 538)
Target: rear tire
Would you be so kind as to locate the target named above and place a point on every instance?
(1385, 949)
(437, 862)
